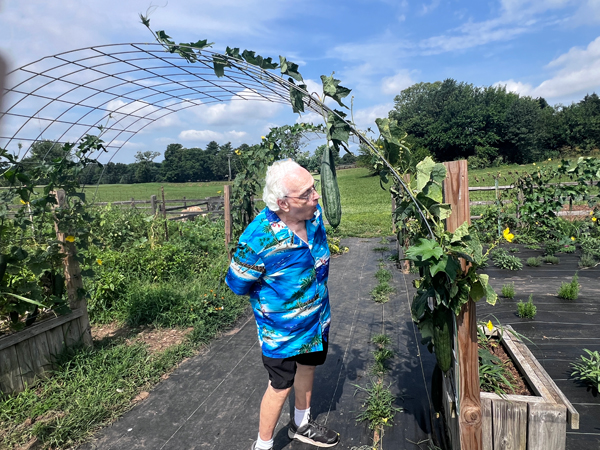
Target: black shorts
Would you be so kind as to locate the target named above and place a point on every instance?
(283, 370)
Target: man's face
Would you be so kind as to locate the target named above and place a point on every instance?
(302, 199)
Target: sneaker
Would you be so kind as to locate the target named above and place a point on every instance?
(313, 433)
(254, 446)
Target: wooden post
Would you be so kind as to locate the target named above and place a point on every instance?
(73, 278)
(456, 193)
(227, 206)
(164, 208)
(153, 204)
(184, 203)
(132, 202)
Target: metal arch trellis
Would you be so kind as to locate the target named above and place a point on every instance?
(121, 89)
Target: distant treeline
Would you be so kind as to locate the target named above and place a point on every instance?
(489, 126)
(180, 164)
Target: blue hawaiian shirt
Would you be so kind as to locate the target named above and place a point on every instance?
(286, 279)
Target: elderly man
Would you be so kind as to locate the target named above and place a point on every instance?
(282, 262)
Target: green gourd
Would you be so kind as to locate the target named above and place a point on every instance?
(442, 337)
(330, 190)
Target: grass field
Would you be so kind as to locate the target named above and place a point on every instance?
(366, 208)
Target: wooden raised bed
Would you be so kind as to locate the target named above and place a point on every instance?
(29, 353)
(536, 422)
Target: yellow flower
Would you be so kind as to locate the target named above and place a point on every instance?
(591, 213)
(534, 164)
(572, 238)
(549, 159)
(594, 219)
(99, 261)
(22, 202)
(489, 325)
(237, 152)
(385, 419)
(218, 192)
(262, 137)
(70, 239)
(508, 235)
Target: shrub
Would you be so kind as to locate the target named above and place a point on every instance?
(591, 246)
(568, 249)
(551, 248)
(514, 250)
(569, 291)
(381, 292)
(508, 290)
(587, 260)
(549, 259)
(534, 261)
(383, 275)
(505, 261)
(526, 310)
(587, 370)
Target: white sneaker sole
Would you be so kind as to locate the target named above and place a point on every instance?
(299, 437)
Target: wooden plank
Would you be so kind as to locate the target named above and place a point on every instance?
(486, 423)
(522, 357)
(56, 342)
(513, 397)
(86, 331)
(38, 328)
(510, 425)
(10, 372)
(44, 360)
(535, 373)
(25, 362)
(72, 333)
(547, 427)
(40, 354)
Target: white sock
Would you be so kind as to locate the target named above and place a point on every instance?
(301, 416)
(263, 445)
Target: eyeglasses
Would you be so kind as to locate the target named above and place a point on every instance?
(308, 194)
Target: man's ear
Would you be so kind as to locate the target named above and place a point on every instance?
(283, 205)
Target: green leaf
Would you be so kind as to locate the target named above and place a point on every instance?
(164, 37)
(219, 64)
(419, 304)
(477, 291)
(446, 264)
(200, 45)
(296, 98)
(332, 88)
(289, 68)
(337, 128)
(424, 169)
(233, 52)
(442, 211)
(491, 296)
(28, 300)
(460, 233)
(426, 249)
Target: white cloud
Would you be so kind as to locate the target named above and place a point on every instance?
(235, 137)
(365, 118)
(394, 84)
(577, 72)
(246, 107)
(427, 8)
(311, 117)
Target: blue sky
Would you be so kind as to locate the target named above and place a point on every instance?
(548, 48)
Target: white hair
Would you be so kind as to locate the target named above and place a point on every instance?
(275, 187)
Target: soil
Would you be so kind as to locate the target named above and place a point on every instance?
(519, 383)
(157, 339)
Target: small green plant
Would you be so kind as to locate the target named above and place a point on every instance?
(551, 248)
(568, 249)
(380, 249)
(534, 261)
(505, 261)
(379, 405)
(587, 260)
(587, 370)
(533, 246)
(551, 259)
(383, 275)
(382, 356)
(526, 310)
(382, 340)
(381, 293)
(513, 250)
(569, 291)
(508, 290)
